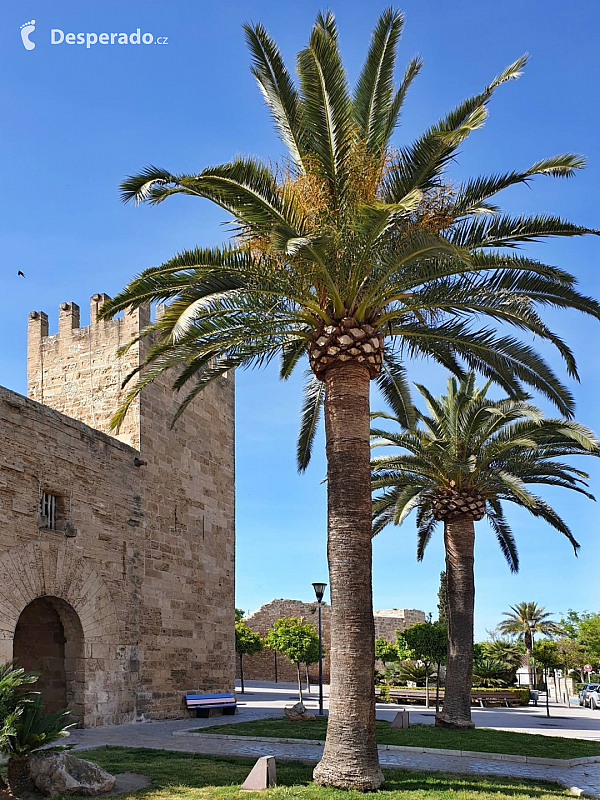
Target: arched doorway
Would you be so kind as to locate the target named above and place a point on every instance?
(49, 640)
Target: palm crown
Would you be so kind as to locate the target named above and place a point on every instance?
(469, 455)
(518, 619)
(352, 250)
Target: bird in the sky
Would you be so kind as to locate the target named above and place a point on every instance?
(22, 274)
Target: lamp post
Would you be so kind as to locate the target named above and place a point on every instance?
(531, 624)
(319, 592)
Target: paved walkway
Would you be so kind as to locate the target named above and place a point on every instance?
(267, 701)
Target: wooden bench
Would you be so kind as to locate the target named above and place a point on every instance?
(202, 703)
(484, 697)
(480, 696)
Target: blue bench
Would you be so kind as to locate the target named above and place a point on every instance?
(202, 703)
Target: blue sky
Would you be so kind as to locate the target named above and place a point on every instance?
(76, 120)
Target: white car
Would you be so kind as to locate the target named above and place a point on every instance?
(592, 698)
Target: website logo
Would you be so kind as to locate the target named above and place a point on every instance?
(90, 39)
(26, 30)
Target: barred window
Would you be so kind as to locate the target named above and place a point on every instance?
(48, 510)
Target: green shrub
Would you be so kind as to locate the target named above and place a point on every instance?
(384, 694)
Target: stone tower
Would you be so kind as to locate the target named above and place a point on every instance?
(76, 371)
(137, 575)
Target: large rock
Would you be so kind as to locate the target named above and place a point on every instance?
(62, 773)
(298, 713)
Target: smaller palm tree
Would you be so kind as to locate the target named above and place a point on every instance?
(489, 673)
(506, 652)
(26, 730)
(13, 680)
(523, 621)
(462, 462)
(418, 673)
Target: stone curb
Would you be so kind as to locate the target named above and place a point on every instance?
(549, 762)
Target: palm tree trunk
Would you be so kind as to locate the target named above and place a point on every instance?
(18, 776)
(350, 756)
(459, 541)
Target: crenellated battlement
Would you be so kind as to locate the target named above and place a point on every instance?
(77, 370)
(69, 315)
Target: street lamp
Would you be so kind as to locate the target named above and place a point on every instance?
(320, 591)
(531, 623)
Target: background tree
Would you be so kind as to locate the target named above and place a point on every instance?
(247, 643)
(296, 640)
(239, 614)
(517, 623)
(466, 458)
(585, 628)
(359, 255)
(386, 651)
(573, 656)
(443, 599)
(547, 656)
(428, 642)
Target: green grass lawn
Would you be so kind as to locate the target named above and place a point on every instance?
(187, 776)
(482, 740)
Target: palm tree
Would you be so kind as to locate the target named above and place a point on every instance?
(488, 673)
(467, 457)
(523, 621)
(25, 731)
(357, 255)
(506, 652)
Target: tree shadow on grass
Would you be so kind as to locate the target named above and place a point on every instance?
(406, 781)
(174, 774)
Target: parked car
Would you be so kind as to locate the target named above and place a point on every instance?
(583, 694)
(593, 698)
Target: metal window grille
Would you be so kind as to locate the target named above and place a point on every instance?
(48, 510)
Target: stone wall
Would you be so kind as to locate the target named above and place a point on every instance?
(150, 572)
(262, 665)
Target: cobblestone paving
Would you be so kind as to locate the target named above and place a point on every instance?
(159, 735)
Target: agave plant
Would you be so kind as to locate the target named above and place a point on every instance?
(356, 254)
(23, 732)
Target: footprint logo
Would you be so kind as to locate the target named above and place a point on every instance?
(26, 29)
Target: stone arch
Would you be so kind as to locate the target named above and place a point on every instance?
(60, 572)
(37, 569)
(49, 641)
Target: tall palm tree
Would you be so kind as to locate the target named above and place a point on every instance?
(524, 620)
(467, 457)
(357, 255)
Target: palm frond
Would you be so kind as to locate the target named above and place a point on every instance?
(278, 90)
(375, 85)
(312, 405)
